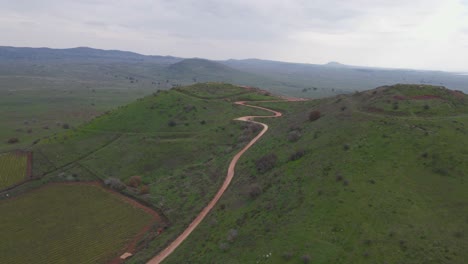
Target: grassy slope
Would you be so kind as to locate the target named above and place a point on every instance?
(183, 164)
(398, 193)
(60, 223)
(13, 169)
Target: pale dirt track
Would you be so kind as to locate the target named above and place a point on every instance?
(230, 174)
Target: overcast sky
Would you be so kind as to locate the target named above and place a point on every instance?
(422, 34)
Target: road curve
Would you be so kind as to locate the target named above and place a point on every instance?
(230, 174)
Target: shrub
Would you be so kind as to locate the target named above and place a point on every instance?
(13, 140)
(339, 177)
(294, 136)
(134, 181)
(223, 246)
(297, 155)
(171, 123)
(346, 147)
(306, 258)
(114, 183)
(314, 115)
(287, 255)
(202, 122)
(232, 235)
(65, 126)
(426, 107)
(255, 191)
(144, 189)
(266, 163)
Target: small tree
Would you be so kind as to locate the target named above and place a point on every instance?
(314, 115)
(134, 181)
(172, 123)
(65, 126)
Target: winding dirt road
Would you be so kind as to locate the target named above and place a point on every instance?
(230, 174)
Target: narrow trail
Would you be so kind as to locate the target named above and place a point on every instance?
(230, 174)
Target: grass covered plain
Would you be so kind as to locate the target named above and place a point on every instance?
(13, 168)
(353, 187)
(67, 224)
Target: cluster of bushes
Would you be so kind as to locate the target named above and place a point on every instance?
(114, 183)
(135, 182)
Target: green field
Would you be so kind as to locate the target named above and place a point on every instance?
(13, 168)
(67, 224)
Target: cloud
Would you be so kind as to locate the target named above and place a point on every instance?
(399, 33)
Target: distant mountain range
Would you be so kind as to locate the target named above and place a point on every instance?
(298, 79)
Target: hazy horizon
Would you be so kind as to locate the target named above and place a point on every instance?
(423, 35)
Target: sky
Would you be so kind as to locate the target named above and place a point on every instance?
(417, 34)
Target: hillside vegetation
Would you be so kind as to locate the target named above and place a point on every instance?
(350, 187)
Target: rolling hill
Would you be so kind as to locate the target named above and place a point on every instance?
(375, 176)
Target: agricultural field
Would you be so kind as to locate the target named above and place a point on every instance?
(13, 168)
(68, 224)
